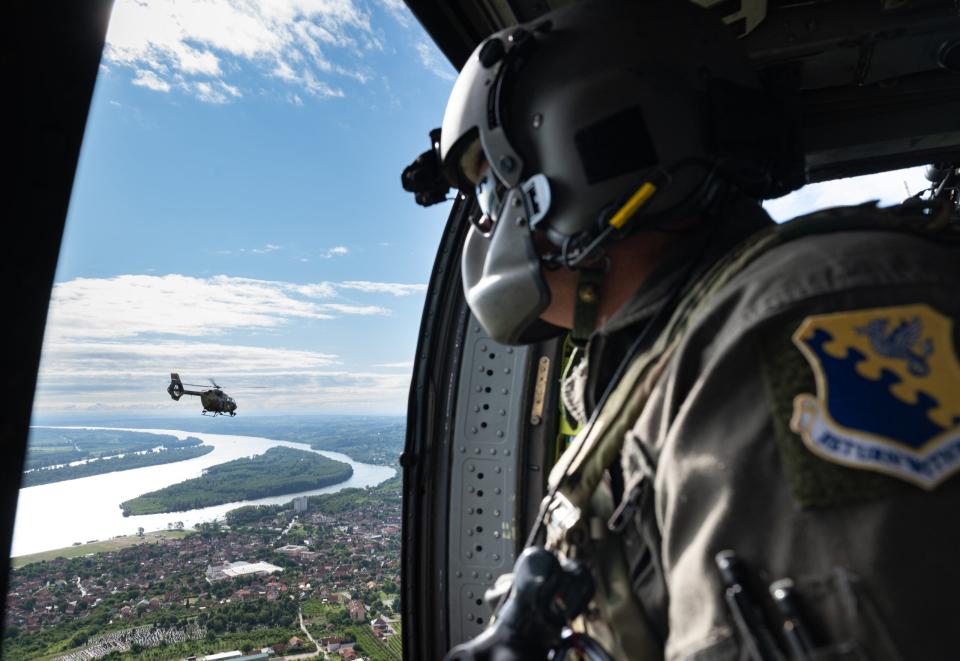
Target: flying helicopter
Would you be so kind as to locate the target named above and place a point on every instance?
(215, 402)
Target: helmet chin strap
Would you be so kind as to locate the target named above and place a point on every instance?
(586, 304)
(619, 224)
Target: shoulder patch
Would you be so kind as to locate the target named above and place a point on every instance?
(887, 392)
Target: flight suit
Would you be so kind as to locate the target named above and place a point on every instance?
(804, 413)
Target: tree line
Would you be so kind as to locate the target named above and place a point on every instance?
(277, 471)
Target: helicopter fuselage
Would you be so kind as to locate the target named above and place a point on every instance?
(213, 400)
(218, 402)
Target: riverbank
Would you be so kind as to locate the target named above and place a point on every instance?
(120, 542)
(276, 472)
(87, 508)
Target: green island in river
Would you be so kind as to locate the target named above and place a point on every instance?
(279, 470)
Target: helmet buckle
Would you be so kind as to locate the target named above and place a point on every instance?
(536, 197)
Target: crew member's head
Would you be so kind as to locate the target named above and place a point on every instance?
(576, 131)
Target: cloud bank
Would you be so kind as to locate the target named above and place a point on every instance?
(132, 305)
(201, 45)
(111, 342)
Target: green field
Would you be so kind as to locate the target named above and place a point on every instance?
(374, 648)
(114, 544)
(277, 471)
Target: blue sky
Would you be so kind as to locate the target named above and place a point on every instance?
(237, 212)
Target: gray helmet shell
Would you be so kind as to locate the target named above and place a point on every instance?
(598, 98)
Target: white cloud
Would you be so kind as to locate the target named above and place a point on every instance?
(125, 360)
(270, 247)
(150, 80)
(336, 251)
(214, 92)
(111, 343)
(403, 365)
(307, 80)
(399, 11)
(887, 187)
(131, 377)
(392, 288)
(132, 305)
(365, 310)
(431, 59)
(198, 43)
(317, 290)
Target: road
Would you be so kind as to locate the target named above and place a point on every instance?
(305, 655)
(290, 525)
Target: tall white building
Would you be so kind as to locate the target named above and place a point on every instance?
(300, 504)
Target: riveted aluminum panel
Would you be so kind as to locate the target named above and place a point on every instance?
(483, 533)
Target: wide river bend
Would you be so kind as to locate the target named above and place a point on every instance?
(52, 516)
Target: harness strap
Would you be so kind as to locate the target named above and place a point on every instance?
(583, 523)
(580, 469)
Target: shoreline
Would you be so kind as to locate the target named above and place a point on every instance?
(99, 546)
(87, 508)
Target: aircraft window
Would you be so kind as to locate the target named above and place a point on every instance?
(887, 187)
(236, 226)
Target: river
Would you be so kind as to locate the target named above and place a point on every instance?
(56, 515)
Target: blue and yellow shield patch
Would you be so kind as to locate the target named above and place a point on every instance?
(888, 392)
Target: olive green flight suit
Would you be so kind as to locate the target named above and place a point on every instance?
(708, 459)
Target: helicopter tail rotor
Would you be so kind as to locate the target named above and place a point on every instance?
(175, 389)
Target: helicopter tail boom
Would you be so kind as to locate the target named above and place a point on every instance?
(176, 389)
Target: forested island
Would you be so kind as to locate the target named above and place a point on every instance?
(277, 471)
(125, 462)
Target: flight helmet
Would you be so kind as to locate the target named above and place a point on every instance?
(575, 130)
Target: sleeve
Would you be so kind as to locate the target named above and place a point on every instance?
(810, 423)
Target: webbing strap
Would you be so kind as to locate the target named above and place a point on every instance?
(580, 469)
